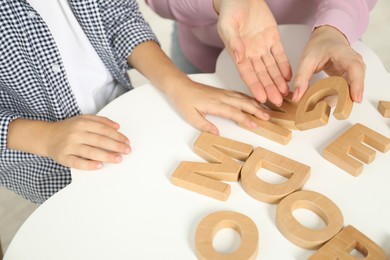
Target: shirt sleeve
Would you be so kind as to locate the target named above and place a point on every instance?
(349, 16)
(125, 26)
(5, 118)
(193, 13)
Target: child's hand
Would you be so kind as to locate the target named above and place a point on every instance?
(251, 36)
(86, 142)
(329, 50)
(194, 101)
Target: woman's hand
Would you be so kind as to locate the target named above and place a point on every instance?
(251, 36)
(328, 50)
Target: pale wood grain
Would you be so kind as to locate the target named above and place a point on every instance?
(211, 224)
(351, 143)
(341, 245)
(297, 233)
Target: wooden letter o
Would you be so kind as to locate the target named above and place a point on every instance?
(297, 233)
(214, 222)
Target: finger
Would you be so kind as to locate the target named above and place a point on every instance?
(81, 163)
(305, 71)
(275, 74)
(233, 42)
(356, 70)
(107, 131)
(270, 88)
(237, 47)
(101, 119)
(232, 113)
(96, 154)
(248, 75)
(356, 81)
(247, 104)
(200, 122)
(282, 60)
(106, 143)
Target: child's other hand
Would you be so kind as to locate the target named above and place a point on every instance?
(194, 101)
(86, 142)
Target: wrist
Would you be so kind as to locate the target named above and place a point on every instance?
(332, 32)
(29, 136)
(173, 84)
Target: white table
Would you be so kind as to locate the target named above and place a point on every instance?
(132, 211)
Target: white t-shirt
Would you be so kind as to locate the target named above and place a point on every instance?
(91, 82)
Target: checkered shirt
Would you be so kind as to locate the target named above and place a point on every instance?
(34, 85)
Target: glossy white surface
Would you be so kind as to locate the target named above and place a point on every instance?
(132, 211)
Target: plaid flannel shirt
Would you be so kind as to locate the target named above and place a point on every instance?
(34, 85)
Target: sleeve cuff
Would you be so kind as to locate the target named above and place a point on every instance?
(210, 12)
(131, 36)
(5, 119)
(351, 18)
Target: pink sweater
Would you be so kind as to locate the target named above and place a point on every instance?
(197, 22)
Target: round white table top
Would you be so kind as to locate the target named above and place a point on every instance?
(133, 211)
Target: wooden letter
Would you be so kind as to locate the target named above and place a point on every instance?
(284, 115)
(214, 222)
(384, 108)
(217, 149)
(297, 233)
(340, 247)
(313, 111)
(269, 130)
(349, 144)
(190, 176)
(297, 174)
(205, 178)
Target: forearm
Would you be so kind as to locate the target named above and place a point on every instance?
(193, 13)
(329, 32)
(149, 59)
(28, 136)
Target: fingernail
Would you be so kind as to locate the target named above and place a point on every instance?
(295, 94)
(118, 158)
(215, 132)
(99, 165)
(266, 116)
(360, 98)
(252, 124)
(127, 150)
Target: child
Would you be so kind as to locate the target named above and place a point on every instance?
(63, 60)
